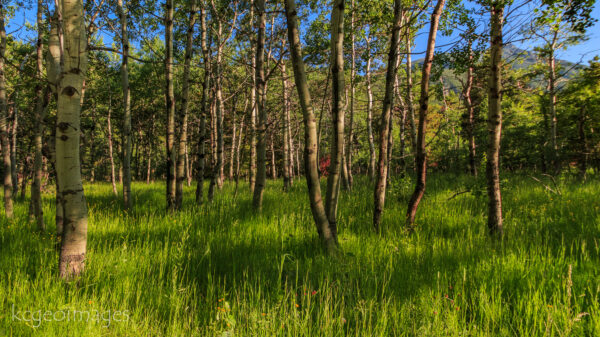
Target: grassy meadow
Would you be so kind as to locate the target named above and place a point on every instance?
(222, 270)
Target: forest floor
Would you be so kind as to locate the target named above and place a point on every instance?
(222, 270)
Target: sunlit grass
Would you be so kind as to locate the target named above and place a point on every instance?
(222, 270)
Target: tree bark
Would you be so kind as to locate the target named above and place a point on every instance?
(421, 154)
(121, 9)
(42, 98)
(170, 100)
(8, 183)
(73, 67)
(386, 117)
(350, 140)
(327, 234)
(110, 143)
(371, 137)
(204, 108)
(495, 121)
(183, 113)
(252, 172)
(337, 112)
(409, 89)
(470, 118)
(261, 151)
(285, 121)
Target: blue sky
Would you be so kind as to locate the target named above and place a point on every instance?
(578, 53)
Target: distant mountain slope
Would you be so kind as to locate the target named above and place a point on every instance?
(518, 58)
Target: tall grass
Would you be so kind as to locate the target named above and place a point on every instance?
(222, 270)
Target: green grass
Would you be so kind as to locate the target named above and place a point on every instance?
(222, 270)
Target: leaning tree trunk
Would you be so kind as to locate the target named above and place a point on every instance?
(73, 67)
(421, 154)
(470, 116)
(220, 107)
(170, 100)
(337, 113)
(327, 234)
(261, 145)
(495, 121)
(40, 109)
(386, 117)
(126, 107)
(8, 183)
(183, 113)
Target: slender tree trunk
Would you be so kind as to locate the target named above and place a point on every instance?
(402, 161)
(421, 154)
(409, 89)
(273, 162)
(73, 67)
(371, 137)
(183, 113)
(327, 234)
(42, 98)
(110, 143)
(470, 118)
(253, 141)
(495, 121)
(350, 141)
(386, 117)
(233, 145)
(121, 9)
(238, 149)
(8, 183)
(553, 118)
(13, 150)
(285, 120)
(220, 108)
(261, 170)
(170, 98)
(204, 109)
(583, 165)
(337, 112)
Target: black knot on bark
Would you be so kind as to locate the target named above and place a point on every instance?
(64, 138)
(62, 126)
(69, 91)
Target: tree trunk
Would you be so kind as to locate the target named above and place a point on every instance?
(41, 103)
(170, 99)
(8, 183)
(327, 234)
(261, 151)
(220, 107)
(337, 113)
(204, 109)
(386, 117)
(421, 154)
(110, 143)
(495, 122)
(183, 113)
(371, 137)
(553, 118)
(470, 118)
(253, 101)
(233, 145)
(285, 121)
(583, 165)
(409, 89)
(350, 141)
(121, 9)
(13, 150)
(73, 67)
